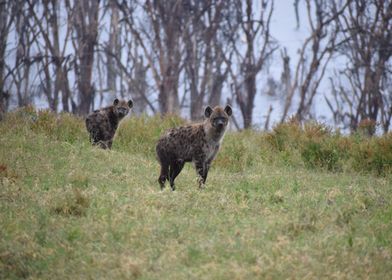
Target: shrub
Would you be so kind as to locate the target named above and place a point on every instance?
(286, 135)
(313, 141)
(71, 203)
(238, 151)
(62, 127)
(320, 154)
(373, 155)
(69, 128)
(367, 127)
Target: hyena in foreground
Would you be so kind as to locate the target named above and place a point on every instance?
(198, 143)
(102, 124)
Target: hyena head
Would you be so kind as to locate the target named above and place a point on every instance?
(218, 118)
(121, 108)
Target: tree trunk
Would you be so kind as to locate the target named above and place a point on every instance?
(86, 26)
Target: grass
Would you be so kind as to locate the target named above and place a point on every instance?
(272, 207)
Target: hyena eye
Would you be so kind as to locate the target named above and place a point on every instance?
(220, 119)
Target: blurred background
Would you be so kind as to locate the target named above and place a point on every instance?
(325, 60)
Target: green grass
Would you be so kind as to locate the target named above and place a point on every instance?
(273, 207)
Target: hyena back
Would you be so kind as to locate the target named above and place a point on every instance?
(198, 143)
(102, 124)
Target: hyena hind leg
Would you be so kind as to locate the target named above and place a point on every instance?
(175, 169)
(164, 175)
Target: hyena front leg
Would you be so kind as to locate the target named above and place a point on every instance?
(202, 171)
(109, 144)
(103, 144)
(93, 136)
(206, 169)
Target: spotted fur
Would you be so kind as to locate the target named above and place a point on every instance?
(102, 124)
(198, 143)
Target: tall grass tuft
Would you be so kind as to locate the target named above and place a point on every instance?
(320, 147)
(373, 155)
(140, 134)
(71, 203)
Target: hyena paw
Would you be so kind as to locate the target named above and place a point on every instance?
(200, 180)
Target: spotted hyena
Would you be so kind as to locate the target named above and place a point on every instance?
(198, 143)
(102, 124)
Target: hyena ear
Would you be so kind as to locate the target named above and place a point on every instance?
(116, 101)
(130, 103)
(228, 110)
(208, 112)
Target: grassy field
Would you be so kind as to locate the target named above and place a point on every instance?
(298, 203)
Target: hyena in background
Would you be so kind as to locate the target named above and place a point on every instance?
(102, 124)
(198, 143)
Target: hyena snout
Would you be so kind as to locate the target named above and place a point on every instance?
(122, 112)
(220, 123)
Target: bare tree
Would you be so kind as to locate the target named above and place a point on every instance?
(314, 55)
(84, 19)
(7, 16)
(113, 47)
(203, 61)
(363, 86)
(132, 71)
(259, 47)
(179, 38)
(52, 53)
(158, 28)
(24, 61)
(386, 109)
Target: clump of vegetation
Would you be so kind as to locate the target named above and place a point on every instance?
(140, 134)
(286, 136)
(373, 155)
(71, 203)
(320, 154)
(319, 147)
(62, 127)
(239, 151)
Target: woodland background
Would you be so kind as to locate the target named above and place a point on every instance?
(176, 56)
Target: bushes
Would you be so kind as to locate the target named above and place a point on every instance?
(373, 155)
(314, 142)
(62, 127)
(319, 147)
(316, 154)
(239, 151)
(312, 145)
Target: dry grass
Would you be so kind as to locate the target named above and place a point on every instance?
(72, 211)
